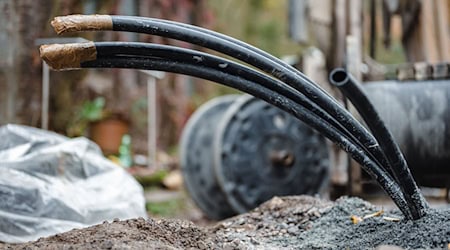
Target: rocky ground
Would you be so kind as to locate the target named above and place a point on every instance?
(295, 222)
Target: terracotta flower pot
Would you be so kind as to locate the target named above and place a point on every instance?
(108, 134)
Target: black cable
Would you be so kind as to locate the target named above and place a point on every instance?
(208, 73)
(257, 58)
(260, 60)
(351, 89)
(200, 58)
(234, 48)
(254, 57)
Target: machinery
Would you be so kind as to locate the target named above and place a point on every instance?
(239, 151)
(418, 115)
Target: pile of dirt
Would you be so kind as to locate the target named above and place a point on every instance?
(295, 222)
(129, 234)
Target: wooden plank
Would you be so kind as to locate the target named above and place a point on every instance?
(443, 31)
(428, 33)
(340, 32)
(354, 62)
(354, 40)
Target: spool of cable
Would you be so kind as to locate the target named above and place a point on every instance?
(239, 152)
(196, 158)
(261, 151)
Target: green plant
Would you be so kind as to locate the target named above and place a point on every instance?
(90, 111)
(165, 208)
(154, 179)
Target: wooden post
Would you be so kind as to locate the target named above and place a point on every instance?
(151, 119)
(45, 95)
(444, 34)
(354, 40)
(152, 131)
(354, 62)
(340, 24)
(427, 28)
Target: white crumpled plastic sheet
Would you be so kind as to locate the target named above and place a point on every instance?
(51, 184)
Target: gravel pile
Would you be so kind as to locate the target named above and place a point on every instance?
(272, 222)
(295, 222)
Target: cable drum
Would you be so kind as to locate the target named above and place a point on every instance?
(196, 158)
(238, 151)
(261, 151)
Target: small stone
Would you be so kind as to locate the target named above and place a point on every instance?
(227, 223)
(254, 241)
(283, 225)
(107, 245)
(174, 180)
(293, 230)
(274, 203)
(201, 245)
(241, 221)
(388, 247)
(290, 220)
(316, 214)
(228, 246)
(236, 242)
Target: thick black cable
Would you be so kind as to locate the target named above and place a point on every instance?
(208, 73)
(322, 99)
(256, 58)
(170, 30)
(260, 60)
(352, 90)
(200, 58)
(204, 59)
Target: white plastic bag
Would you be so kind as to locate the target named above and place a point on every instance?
(51, 184)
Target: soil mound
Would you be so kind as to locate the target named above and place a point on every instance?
(293, 222)
(129, 234)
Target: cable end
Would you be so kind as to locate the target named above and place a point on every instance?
(339, 77)
(68, 56)
(73, 23)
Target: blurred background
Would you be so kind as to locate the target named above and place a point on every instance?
(374, 40)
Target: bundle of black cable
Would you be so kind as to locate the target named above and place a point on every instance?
(269, 79)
